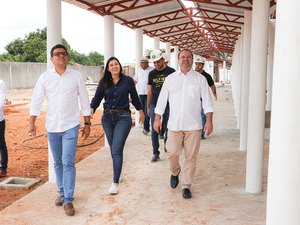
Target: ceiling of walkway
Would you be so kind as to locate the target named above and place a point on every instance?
(209, 28)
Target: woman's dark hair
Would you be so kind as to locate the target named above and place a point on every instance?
(58, 46)
(106, 80)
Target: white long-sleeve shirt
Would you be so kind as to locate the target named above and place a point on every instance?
(2, 98)
(184, 93)
(62, 92)
(141, 77)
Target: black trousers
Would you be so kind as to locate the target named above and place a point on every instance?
(3, 148)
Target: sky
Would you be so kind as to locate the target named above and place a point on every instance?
(82, 29)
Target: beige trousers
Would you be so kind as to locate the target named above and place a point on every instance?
(189, 143)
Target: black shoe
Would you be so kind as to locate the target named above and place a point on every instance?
(186, 193)
(145, 131)
(174, 180)
(155, 158)
(202, 137)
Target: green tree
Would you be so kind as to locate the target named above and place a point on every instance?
(95, 59)
(33, 48)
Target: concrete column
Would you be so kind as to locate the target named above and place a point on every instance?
(223, 71)
(240, 76)
(270, 63)
(109, 47)
(257, 95)
(53, 27)
(53, 38)
(168, 51)
(237, 60)
(138, 55)
(175, 58)
(283, 200)
(211, 69)
(156, 41)
(233, 69)
(245, 80)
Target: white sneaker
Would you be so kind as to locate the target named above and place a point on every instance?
(113, 190)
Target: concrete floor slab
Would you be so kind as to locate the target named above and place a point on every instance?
(145, 196)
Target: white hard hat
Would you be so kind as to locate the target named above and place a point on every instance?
(166, 57)
(156, 55)
(199, 59)
(144, 59)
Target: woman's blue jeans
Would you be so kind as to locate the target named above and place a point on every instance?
(3, 147)
(63, 147)
(117, 126)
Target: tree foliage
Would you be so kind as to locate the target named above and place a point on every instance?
(33, 48)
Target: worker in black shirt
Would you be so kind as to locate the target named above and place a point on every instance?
(199, 65)
(155, 81)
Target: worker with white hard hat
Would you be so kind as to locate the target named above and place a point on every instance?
(155, 82)
(141, 80)
(199, 65)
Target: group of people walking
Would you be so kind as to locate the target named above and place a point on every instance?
(169, 100)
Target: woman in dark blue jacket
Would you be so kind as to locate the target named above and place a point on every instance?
(115, 88)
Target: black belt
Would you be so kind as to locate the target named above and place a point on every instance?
(113, 110)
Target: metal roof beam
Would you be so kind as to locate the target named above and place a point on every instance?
(218, 16)
(160, 18)
(229, 3)
(125, 5)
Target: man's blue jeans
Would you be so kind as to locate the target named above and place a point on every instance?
(203, 116)
(154, 134)
(3, 147)
(143, 100)
(117, 126)
(63, 147)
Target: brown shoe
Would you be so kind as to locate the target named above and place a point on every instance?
(2, 173)
(59, 200)
(69, 209)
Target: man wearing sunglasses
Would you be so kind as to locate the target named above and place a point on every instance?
(62, 86)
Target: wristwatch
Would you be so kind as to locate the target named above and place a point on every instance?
(88, 123)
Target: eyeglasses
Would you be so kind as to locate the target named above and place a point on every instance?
(57, 54)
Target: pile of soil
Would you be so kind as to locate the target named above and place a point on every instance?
(30, 159)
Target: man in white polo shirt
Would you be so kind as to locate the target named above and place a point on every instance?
(141, 80)
(184, 90)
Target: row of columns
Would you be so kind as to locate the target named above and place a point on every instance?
(249, 82)
(269, 82)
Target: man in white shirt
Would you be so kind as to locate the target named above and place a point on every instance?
(184, 90)
(62, 86)
(141, 81)
(3, 147)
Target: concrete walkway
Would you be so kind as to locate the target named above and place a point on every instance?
(145, 196)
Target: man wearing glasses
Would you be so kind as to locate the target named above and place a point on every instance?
(62, 86)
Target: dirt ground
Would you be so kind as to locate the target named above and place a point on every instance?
(32, 161)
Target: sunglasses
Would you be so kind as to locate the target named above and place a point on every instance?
(57, 54)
